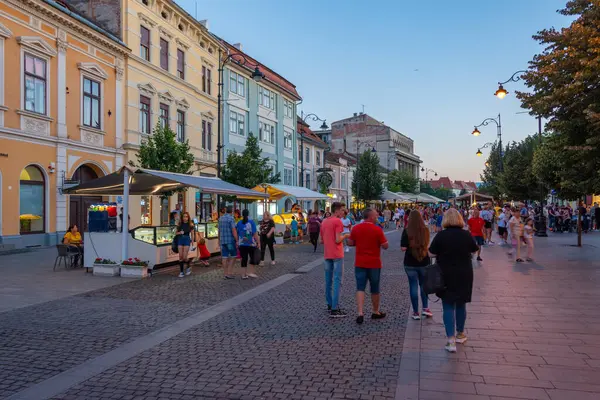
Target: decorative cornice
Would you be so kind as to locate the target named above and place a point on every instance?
(208, 115)
(182, 44)
(165, 33)
(208, 62)
(183, 104)
(166, 96)
(146, 20)
(38, 44)
(92, 68)
(148, 89)
(49, 13)
(4, 31)
(62, 46)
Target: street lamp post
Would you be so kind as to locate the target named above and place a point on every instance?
(323, 126)
(427, 171)
(485, 146)
(257, 76)
(498, 123)
(501, 93)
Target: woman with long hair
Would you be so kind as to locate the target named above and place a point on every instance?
(186, 232)
(267, 237)
(414, 244)
(248, 242)
(453, 248)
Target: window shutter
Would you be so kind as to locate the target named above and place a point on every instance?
(209, 138)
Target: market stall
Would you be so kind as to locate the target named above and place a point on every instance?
(149, 243)
(472, 198)
(277, 192)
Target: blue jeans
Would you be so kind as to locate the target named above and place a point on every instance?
(416, 278)
(455, 316)
(334, 269)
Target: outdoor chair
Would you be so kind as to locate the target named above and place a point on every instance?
(65, 254)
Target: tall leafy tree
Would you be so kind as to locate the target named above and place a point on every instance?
(492, 172)
(517, 180)
(402, 181)
(565, 89)
(367, 183)
(249, 168)
(162, 152)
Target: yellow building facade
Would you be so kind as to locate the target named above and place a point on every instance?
(172, 77)
(62, 91)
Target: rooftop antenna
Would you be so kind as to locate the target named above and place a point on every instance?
(363, 107)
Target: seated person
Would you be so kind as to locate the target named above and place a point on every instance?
(73, 239)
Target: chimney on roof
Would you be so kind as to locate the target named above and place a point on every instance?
(361, 113)
(238, 46)
(356, 114)
(204, 23)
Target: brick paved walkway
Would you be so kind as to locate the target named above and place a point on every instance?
(534, 331)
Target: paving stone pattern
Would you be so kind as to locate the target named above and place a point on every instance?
(39, 341)
(533, 328)
(280, 345)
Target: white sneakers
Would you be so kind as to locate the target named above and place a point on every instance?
(451, 346)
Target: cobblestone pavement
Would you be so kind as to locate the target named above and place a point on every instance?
(39, 341)
(533, 328)
(281, 344)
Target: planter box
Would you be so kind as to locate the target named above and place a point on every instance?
(278, 239)
(133, 271)
(107, 269)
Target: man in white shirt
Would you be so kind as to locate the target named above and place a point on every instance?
(347, 223)
(488, 216)
(400, 223)
(503, 225)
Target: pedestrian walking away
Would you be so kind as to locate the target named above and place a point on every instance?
(332, 237)
(488, 217)
(347, 227)
(314, 228)
(453, 248)
(515, 228)
(249, 242)
(528, 231)
(267, 237)
(228, 239)
(414, 244)
(476, 225)
(186, 232)
(369, 239)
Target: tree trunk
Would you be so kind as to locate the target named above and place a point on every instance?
(579, 224)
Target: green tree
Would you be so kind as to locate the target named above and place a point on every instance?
(563, 80)
(425, 187)
(491, 173)
(162, 152)
(517, 181)
(402, 181)
(367, 183)
(248, 168)
(443, 193)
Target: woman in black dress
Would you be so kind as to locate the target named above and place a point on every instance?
(267, 237)
(453, 247)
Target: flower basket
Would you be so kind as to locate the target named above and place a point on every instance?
(106, 267)
(134, 268)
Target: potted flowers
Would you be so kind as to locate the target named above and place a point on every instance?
(106, 267)
(279, 238)
(134, 268)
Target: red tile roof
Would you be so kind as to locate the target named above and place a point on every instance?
(308, 133)
(444, 182)
(466, 185)
(270, 75)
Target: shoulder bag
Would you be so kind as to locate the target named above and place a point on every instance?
(434, 279)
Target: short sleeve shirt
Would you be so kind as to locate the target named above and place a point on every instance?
(226, 225)
(246, 232)
(347, 224)
(487, 215)
(476, 226)
(368, 238)
(73, 238)
(330, 228)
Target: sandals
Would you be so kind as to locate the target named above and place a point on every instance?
(519, 260)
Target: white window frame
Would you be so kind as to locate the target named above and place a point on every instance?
(232, 80)
(288, 173)
(28, 45)
(233, 116)
(239, 117)
(287, 139)
(266, 98)
(241, 79)
(343, 180)
(288, 108)
(317, 158)
(93, 72)
(307, 155)
(270, 135)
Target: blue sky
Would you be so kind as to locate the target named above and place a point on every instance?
(342, 54)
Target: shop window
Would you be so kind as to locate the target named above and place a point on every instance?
(146, 208)
(32, 209)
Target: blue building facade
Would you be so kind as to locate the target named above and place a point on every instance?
(265, 109)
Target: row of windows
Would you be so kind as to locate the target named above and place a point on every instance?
(266, 132)
(237, 84)
(145, 46)
(163, 118)
(36, 89)
(237, 123)
(266, 98)
(307, 154)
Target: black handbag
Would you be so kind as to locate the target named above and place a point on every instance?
(434, 279)
(174, 244)
(255, 256)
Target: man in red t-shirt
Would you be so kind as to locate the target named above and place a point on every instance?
(368, 239)
(476, 224)
(332, 237)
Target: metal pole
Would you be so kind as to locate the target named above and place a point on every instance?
(500, 143)
(357, 177)
(301, 159)
(219, 127)
(125, 223)
(541, 229)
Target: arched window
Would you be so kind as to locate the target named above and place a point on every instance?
(32, 207)
(288, 205)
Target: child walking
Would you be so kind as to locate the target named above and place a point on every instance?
(294, 228)
(528, 230)
(203, 253)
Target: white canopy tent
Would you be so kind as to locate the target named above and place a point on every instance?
(277, 191)
(139, 181)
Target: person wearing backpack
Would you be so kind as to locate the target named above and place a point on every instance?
(414, 243)
(453, 248)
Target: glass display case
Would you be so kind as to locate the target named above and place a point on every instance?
(212, 230)
(156, 235)
(286, 218)
(201, 228)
